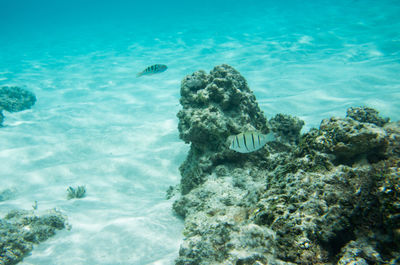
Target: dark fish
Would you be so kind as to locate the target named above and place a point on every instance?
(154, 69)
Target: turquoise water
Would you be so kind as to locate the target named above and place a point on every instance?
(96, 124)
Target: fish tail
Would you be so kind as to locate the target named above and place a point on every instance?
(270, 137)
(139, 74)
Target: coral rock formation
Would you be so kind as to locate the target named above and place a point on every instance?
(214, 106)
(19, 230)
(348, 139)
(286, 128)
(13, 99)
(330, 196)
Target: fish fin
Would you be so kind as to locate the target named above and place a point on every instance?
(265, 138)
(139, 74)
(270, 137)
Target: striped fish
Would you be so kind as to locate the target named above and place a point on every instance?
(247, 142)
(154, 69)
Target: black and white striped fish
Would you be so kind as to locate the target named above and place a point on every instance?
(154, 69)
(247, 142)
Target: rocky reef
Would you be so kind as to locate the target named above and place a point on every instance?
(20, 230)
(329, 196)
(214, 107)
(13, 99)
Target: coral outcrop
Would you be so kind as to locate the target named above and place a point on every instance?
(20, 230)
(286, 128)
(214, 106)
(348, 139)
(367, 115)
(13, 99)
(330, 196)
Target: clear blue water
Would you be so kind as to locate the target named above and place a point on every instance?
(96, 124)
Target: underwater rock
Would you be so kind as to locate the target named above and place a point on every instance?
(330, 196)
(286, 128)
(348, 139)
(19, 230)
(393, 146)
(368, 115)
(15, 99)
(215, 106)
(360, 252)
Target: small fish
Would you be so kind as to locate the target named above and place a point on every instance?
(154, 69)
(247, 142)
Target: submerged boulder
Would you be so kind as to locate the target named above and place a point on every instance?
(350, 139)
(215, 106)
(286, 128)
(13, 99)
(368, 115)
(20, 230)
(331, 195)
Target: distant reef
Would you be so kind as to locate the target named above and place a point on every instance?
(13, 99)
(20, 230)
(329, 196)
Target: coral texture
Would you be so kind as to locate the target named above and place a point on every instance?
(329, 196)
(286, 128)
(15, 99)
(19, 230)
(214, 106)
(367, 115)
